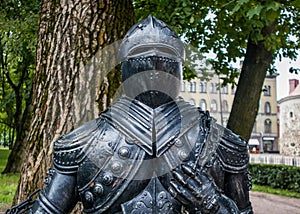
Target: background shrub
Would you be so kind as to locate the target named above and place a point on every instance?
(276, 176)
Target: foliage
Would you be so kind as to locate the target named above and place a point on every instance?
(18, 32)
(276, 176)
(225, 27)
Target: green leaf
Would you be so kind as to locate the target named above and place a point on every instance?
(192, 20)
(243, 1)
(274, 6)
(254, 11)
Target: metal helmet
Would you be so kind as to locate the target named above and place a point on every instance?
(151, 54)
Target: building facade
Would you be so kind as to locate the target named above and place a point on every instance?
(290, 121)
(209, 96)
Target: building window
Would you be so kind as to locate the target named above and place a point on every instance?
(182, 86)
(203, 105)
(267, 90)
(224, 89)
(268, 126)
(192, 87)
(213, 88)
(224, 106)
(254, 129)
(291, 114)
(192, 102)
(267, 108)
(233, 89)
(202, 87)
(213, 106)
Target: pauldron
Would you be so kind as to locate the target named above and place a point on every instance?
(232, 152)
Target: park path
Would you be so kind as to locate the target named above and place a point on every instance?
(263, 203)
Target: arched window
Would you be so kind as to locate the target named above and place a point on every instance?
(268, 126)
(202, 87)
(224, 89)
(183, 86)
(267, 108)
(224, 106)
(233, 89)
(213, 88)
(203, 105)
(254, 127)
(267, 90)
(213, 106)
(192, 102)
(192, 87)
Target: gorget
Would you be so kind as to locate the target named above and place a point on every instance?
(154, 130)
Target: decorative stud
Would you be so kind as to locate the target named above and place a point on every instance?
(116, 167)
(124, 152)
(98, 189)
(107, 179)
(89, 197)
(178, 143)
(182, 155)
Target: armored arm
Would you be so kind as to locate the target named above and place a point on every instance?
(59, 196)
(232, 159)
(60, 193)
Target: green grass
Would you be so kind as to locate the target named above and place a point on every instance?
(271, 190)
(8, 182)
(4, 153)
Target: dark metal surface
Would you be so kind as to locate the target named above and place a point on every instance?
(150, 153)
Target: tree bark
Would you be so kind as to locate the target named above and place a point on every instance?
(21, 121)
(64, 94)
(246, 101)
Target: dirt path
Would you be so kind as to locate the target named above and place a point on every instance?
(268, 203)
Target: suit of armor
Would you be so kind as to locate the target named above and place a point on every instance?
(150, 152)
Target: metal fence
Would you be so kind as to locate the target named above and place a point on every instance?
(275, 159)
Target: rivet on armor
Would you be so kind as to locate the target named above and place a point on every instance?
(116, 167)
(178, 143)
(98, 189)
(124, 152)
(89, 197)
(182, 155)
(107, 179)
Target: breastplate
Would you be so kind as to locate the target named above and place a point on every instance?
(130, 164)
(153, 199)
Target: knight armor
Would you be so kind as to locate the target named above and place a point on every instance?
(150, 151)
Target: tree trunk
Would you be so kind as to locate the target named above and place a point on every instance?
(18, 151)
(246, 101)
(65, 84)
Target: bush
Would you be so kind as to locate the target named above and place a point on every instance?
(276, 176)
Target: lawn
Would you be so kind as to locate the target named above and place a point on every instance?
(8, 183)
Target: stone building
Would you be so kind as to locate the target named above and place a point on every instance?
(209, 96)
(290, 121)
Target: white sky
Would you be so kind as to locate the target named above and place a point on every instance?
(285, 75)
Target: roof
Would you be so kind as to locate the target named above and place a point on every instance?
(296, 91)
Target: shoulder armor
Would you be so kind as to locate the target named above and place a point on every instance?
(71, 148)
(232, 152)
